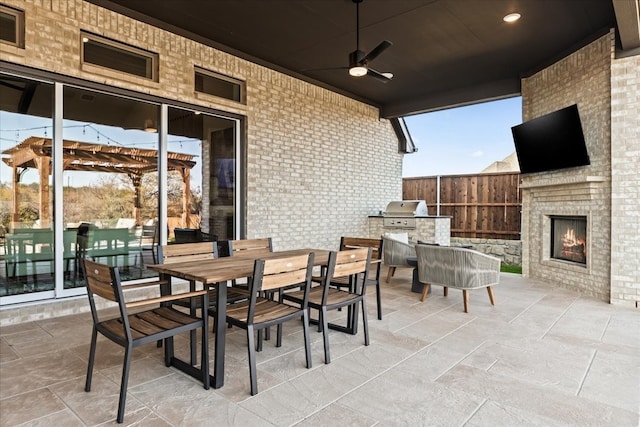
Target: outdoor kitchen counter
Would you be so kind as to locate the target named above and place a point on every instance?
(428, 228)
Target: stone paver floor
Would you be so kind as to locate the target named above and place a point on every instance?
(543, 356)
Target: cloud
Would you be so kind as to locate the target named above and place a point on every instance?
(478, 153)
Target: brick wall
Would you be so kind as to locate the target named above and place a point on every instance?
(317, 162)
(625, 181)
(582, 78)
(607, 192)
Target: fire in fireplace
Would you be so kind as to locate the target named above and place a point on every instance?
(569, 238)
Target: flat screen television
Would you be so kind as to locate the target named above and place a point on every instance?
(550, 142)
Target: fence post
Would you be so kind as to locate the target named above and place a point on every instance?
(438, 195)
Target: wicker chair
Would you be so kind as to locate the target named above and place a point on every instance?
(396, 253)
(457, 268)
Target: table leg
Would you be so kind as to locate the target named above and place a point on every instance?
(220, 334)
(189, 368)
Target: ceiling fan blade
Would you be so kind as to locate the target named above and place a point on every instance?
(377, 75)
(377, 51)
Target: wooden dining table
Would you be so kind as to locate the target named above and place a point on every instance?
(215, 273)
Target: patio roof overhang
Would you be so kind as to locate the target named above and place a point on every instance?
(445, 52)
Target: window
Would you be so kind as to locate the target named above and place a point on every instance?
(216, 84)
(12, 26)
(118, 56)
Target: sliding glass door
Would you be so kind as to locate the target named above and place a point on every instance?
(26, 191)
(84, 174)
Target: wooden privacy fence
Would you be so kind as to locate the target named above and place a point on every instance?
(481, 206)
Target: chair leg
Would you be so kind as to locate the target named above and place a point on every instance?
(259, 343)
(252, 360)
(279, 335)
(325, 334)
(125, 380)
(446, 291)
(490, 292)
(204, 351)
(168, 351)
(465, 298)
(307, 340)
(379, 300)
(425, 291)
(390, 273)
(365, 322)
(92, 357)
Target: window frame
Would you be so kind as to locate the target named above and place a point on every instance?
(224, 78)
(127, 49)
(18, 14)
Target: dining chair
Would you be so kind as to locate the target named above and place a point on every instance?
(253, 247)
(353, 264)
(258, 312)
(149, 241)
(201, 251)
(373, 278)
(131, 330)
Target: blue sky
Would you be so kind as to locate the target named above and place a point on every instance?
(462, 140)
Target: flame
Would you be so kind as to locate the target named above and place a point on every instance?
(569, 240)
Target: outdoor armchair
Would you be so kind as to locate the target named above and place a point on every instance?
(396, 249)
(457, 268)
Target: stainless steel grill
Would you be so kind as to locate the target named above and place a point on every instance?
(402, 214)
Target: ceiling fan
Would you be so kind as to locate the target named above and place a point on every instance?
(359, 61)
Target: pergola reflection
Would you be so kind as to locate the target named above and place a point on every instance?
(36, 152)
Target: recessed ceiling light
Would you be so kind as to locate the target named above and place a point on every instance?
(512, 17)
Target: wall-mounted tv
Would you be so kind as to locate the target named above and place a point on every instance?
(550, 142)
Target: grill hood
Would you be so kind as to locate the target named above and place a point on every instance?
(406, 208)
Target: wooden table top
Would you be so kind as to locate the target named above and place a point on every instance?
(229, 268)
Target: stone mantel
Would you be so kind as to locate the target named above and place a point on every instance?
(580, 181)
(566, 190)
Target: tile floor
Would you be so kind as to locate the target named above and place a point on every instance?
(542, 356)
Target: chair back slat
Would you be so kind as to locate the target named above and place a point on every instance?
(256, 246)
(360, 242)
(348, 269)
(282, 272)
(352, 264)
(100, 280)
(189, 252)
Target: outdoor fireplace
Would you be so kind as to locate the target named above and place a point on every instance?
(569, 238)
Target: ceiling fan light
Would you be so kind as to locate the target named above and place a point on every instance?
(358, 71)
(149, 126)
